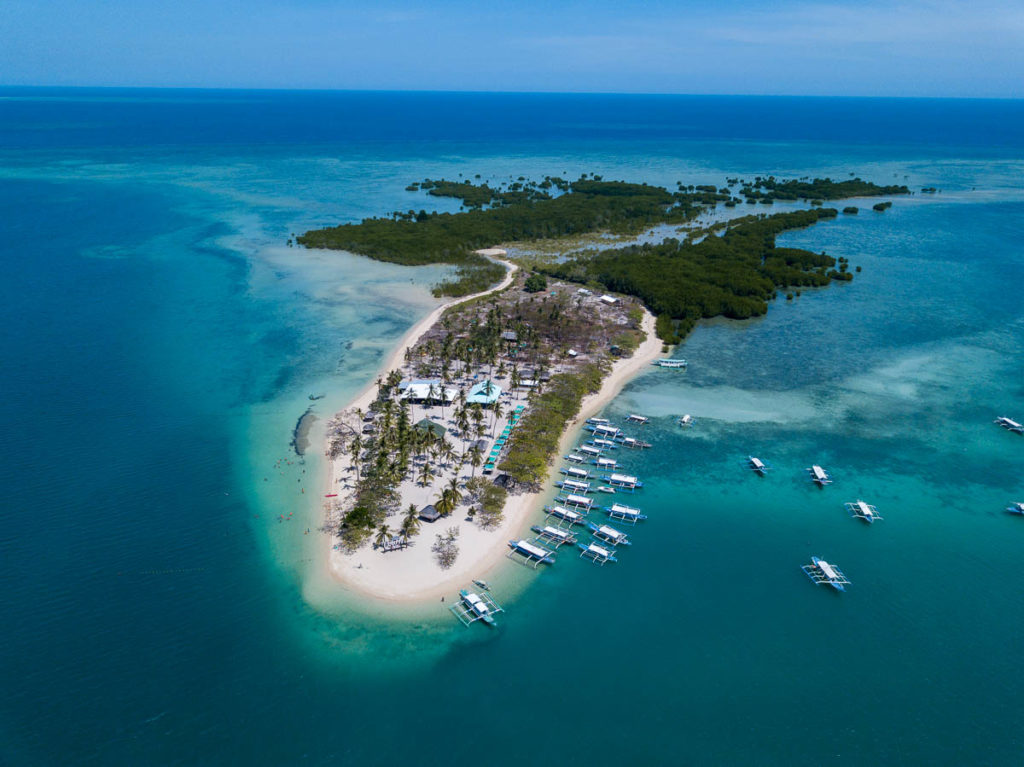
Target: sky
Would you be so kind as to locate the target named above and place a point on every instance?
(808, 47)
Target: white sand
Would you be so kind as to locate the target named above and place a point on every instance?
(412, 574)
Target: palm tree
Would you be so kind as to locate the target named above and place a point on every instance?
(453, 488)
(444, 503)
(383, 536)
(515, 379)
(426, 475)
(411, 522)
(355, 449)
(498, 413)
(476, 457)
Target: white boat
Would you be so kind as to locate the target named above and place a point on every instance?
(1016, 508)
(863, 511)
(532, 553)
(625, 513)
(673, 364)
(578, 501)
(819, 476)
(575, 473)
(477, 606)
(756, 464)
(605, 489)
(575, 458)
(597, 421)
(1010, 425)
(609, 534)
(589, 450)
(573, 486)
(554, 535)
(570, 516)
(821, 572)
(686, 420)
(605, 444)
(598, 554)
(605, 463)
(635, 444)
(635, 418)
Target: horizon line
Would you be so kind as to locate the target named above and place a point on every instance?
(448, 91)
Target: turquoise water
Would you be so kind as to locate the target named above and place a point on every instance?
(162, 342)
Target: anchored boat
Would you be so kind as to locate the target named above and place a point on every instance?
(473, 607)
(605, 463)
(634, 444)
(671, 364)
(609, 534)
(574, 473)
(531, 553)
(635, 418)
(574, 486)
(596, 554)
(757, 465)
(863, 511)
(625, 513)
(567, 515)
(553, 535)
(622, 481)
(819, 476)
(686, 420)
(576, 501)
(1010, 425)
(1016, 508)
(821, 572)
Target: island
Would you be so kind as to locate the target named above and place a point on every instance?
(445, 457)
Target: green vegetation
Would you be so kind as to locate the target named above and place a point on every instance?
(535, 283)
(535, 441)
(881, 206)
(850, 210)
(520, 212)
(818, 189)
(732, 275)
(491, 500)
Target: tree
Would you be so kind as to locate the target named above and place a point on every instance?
(355, 449)
(383, 536)
(498, 413)
(444, 503)
(411, 521)
(476, 457)
(453, 488)
(535, 283)
(426, 475)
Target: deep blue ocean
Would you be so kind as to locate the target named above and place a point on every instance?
(160, 340)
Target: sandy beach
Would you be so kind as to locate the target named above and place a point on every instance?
(412, 574)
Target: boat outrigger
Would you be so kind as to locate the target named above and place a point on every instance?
(1016, 508)
(864, 511)
(553, 535)
(473, 607)
(566, 515)
(609, 534)
(636, 418)
(673, 364)
(573, 486)
(575, 472)
(756, 464)
(1010, 425)
(596, 554)
(576, 501)
(622, 481)
(821, 571)
(634, 444)
(819, 476)
(625, 513)
(531, 553)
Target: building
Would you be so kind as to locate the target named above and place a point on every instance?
(432, 426)
(484, 393)
(610, 300)
(429, 514)
(423, 391)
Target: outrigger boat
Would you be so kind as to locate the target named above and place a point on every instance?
(573, 486)
(568, 515)
(575, 473)
(634, 444)
(819, 476)
(473, 607)
(605, 463)
(531, 553)
(635, 418)
(622, 481)
(605, 489)
(481, 584)
(864, 511)
(604, 444)
(673, 364)
(576, 501)
(605, 431)
(575, 458)
(1016, 508)
(555, 535)
(686, 420)
(597, 421)
(625, 513)
(1010, 425)
(756, 464)
(590, 450)
(609, 534)
(597, 554)
(821, 571)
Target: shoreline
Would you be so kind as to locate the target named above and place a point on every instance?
(366, 574)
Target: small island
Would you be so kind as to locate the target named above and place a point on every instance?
(445, 457)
